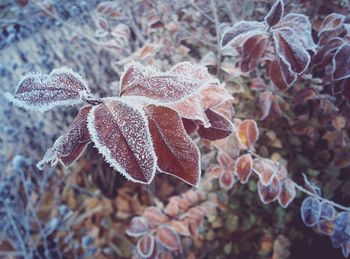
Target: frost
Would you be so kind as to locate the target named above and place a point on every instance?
(241, 31)
(138, 227)
(275, 14)
(289, 49)
(287, 194)
(253, 49)
(40, 92)
(310, 211)
(177, 154)
(331, 23)
(172, 86)
(120, 133)
(243, 168)
(72, 144)
(247, 133)
(265, 169)
(168, 237)
(341, 62)
(269, 193)
(145, 246)
(281, 75)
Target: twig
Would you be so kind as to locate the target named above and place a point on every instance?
(202, 12)
(217, 30)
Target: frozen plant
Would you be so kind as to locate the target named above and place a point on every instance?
(141, 131)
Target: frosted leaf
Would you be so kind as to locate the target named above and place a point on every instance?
(163, 87)
(345, 248)
(168, 237)
(265, 103)
(220, 127)
(311, 186)
(290, 50)
(310, 211)
(71, 145)
(177, 154)
(241, 31)
(253, 49)
(247, 133)
(154, 216)
(327, 210)
(304, 95)
(181, 227)
(300, 25)
(325, 54)
(275, 14)
(40, 92)
(281, 75)
(120, 133)
(341, 234)
(190, 125)
(145, 246)
(243, 168)
(138, 227)
(265, 169)
(227, 179)
(269, 193)
(194, 108)
(331, 22)
(326, 227)
(287, 194)
(341, 62)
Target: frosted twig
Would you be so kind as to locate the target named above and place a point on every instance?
(202, 12)
(302, 189)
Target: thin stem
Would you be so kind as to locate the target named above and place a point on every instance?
(202, 12)
(217, 31)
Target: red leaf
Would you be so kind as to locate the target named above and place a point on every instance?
(226, 179)
(40, 92)
(265, 169)
(289, 49)
(175, 85)
(138, 227)
(71, 145)
(145, 245)
(287, 194)
(172, 208)
(265, 103)
(243, 168)
(220, 127)
(275, 14)
(253, 49)
(168, 238)
(189, 125)
(120, 132)
(281, 75)
(331, 22)
(341, 62)
(270, 192)
(247, 133)
(176, 152)
(304, 95)
(154, 216)
(325, 54)
(241, 31)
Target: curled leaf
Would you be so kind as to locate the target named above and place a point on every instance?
(40, 92)
(72, 144)
(341, 62)
(154, 216)
(265, 169)
(310, 211)
(275, 14)
(287, 194)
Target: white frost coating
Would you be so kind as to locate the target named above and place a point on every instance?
(329, 20)
(163, 87)
(300, 25)
(273, 9)
(242, 28)
(299, 52)
(346, 66)
(40, 92)
(106, 152)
